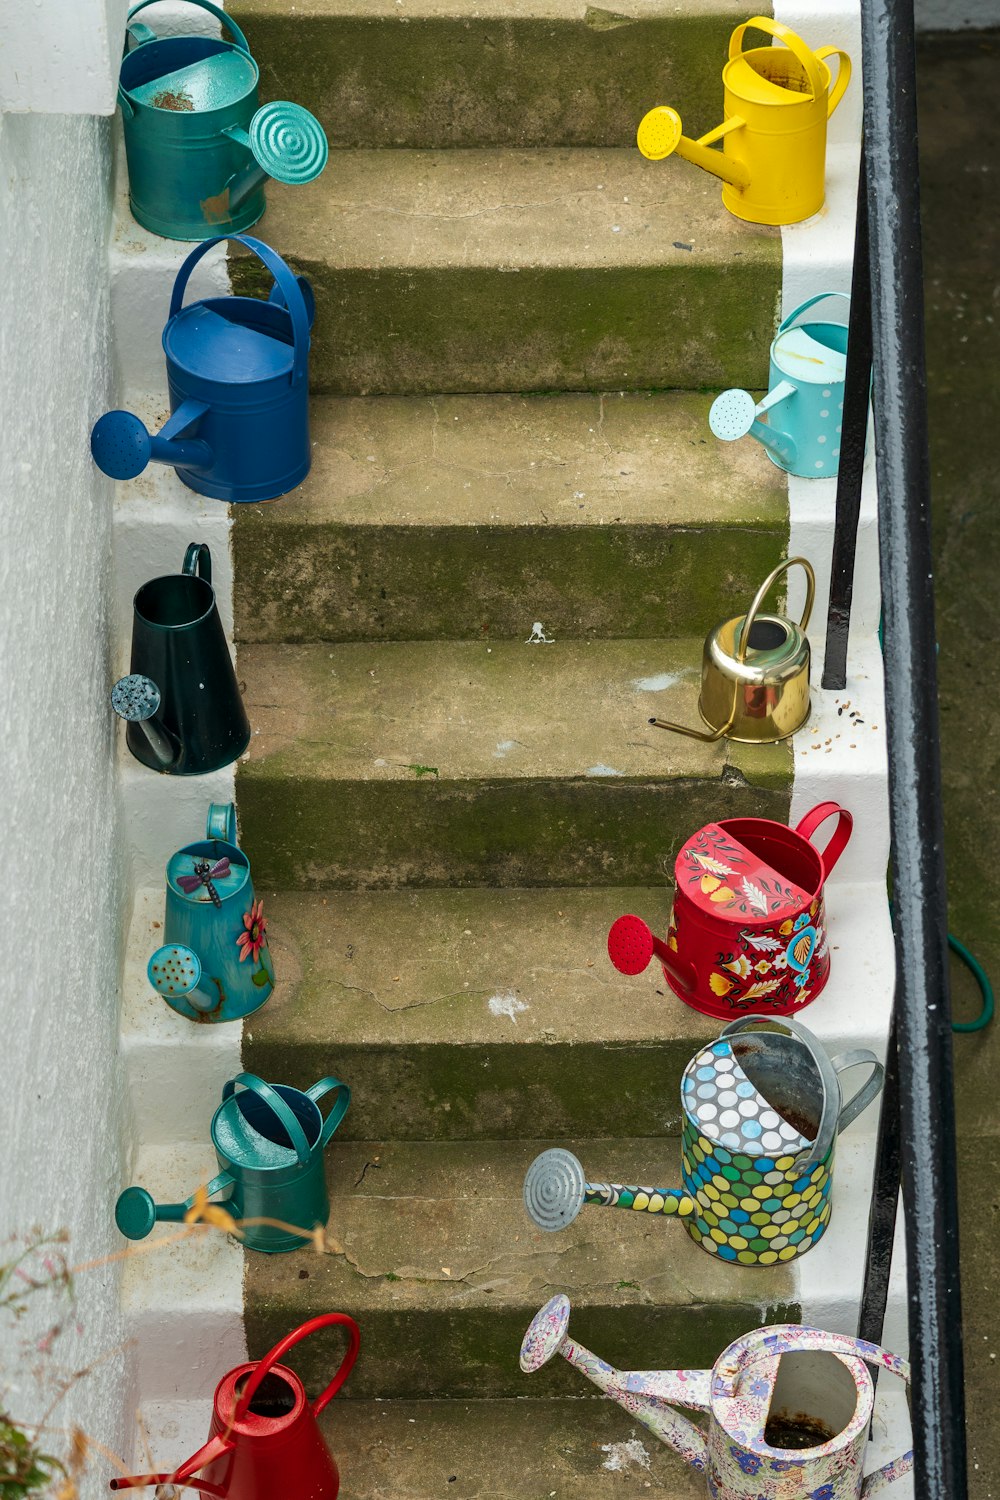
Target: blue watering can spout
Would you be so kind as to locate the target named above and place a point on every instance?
(136, 1212)
(136, 699)
(736, 414)
(176, 973)
(122, 445)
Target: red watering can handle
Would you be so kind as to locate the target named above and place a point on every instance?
(792, 41)
(326, 1320)
(221, 15)
(277, 1105)
(841, 834)
(340, 1104)
(290, 289)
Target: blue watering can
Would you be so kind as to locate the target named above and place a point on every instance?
(799, 419)
(238, 374)
(214, 964)
(199, 150)
(269, 1142)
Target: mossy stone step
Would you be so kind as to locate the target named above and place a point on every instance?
(506, 270)
(460, 1015)
(442, 764)
(513, 72)
(523, 1449)
(443, 1270)
(470, 517)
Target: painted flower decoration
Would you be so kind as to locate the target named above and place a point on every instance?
(255, 937)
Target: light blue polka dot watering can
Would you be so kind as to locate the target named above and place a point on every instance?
(199, 149)
(799, 420)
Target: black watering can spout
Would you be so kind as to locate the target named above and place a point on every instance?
(122, 445)
(136, 699)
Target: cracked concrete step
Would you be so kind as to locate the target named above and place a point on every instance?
(438, 764)
(514, 72)
(443, 1270)
(523, 270)
(464, 517)
(468, 1014)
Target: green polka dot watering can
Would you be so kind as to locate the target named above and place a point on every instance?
(789, 1408)
(199, 149)
(800, 418)
(762, 1108)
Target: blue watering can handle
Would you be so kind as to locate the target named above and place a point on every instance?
(291, 291)
(272, 1098)
(340, 1104)
(198, 561)
(221, 822)
(220, 15)
(805, 306)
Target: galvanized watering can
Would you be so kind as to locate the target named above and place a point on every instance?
(799, 419)
(199, 149)
(755, 672)
(264, 1440)
(269, 1141)
(748, 923)
(214, 964)
(238, 374)
(762, 1113)
(777, 103)
(789, 1408)
(181, 701)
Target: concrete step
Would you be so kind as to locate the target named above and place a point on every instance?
(513, 73)
(443, 1270)
(433, 764)
(464, 517)
(511, 270)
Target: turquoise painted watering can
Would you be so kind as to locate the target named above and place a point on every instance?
(199, 149)
(214, 964)
(799, 420)
(269, 1141)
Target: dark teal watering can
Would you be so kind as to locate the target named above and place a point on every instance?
(269, 1141)
(199, 149)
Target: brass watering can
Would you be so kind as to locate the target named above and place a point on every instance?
(777, 103)
(755, 672)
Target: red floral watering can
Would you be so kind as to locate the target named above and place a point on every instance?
(748, 925)
(264, 1441)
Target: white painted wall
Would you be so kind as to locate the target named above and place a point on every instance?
(64, 874)
(62, 57)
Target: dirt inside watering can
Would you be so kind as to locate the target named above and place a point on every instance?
(785, 1429)
(173, 100)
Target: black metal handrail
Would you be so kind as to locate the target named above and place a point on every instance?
(917, 1125)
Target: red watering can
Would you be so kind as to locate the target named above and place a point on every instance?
(748, 926)
(264, 1441)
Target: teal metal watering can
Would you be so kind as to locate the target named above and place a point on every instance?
(199, 149)
(269, 1140)
(214, 964)
(799, 420)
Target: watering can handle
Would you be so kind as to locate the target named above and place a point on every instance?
(220, 15)
(843, 75)
(290, 289)
(868, 1091)
(805, 306)
(806, 56)
(221, 822)
(326, 1320)
(792, 1338)
(340, 1104)
(808, 825)
(273, 1099)
(762, 593)
(198, 561)
(828, 1124)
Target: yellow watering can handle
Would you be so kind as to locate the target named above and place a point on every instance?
(843, 75)
(806, 56)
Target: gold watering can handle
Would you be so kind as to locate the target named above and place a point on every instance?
(709, 736)
(806, 56)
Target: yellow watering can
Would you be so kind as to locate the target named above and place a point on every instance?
(777, 103)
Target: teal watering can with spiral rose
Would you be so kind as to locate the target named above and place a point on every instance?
(799, 420)
(269, 1141)
(199, 148)
(214, 964)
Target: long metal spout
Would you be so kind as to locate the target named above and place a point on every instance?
(136, 699)
(548, 1335)
(734, 414)
(659, 135)
(555, 1190)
